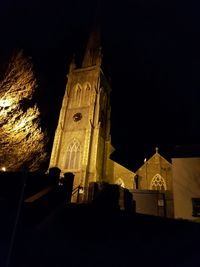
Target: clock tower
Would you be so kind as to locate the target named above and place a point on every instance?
(82, 142)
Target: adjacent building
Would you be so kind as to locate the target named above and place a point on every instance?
(186, 182)
(153, 187)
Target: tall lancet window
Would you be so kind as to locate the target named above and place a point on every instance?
(73, 158)
(78, 95)
(87, 93)
(158, 183)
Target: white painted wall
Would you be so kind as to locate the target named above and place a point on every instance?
(186, 185)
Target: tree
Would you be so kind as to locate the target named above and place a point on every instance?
(22, 141)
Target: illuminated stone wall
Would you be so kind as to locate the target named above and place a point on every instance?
(85, 122)
(156, 174)
(155, 166)
(120, 175)
(81, 97)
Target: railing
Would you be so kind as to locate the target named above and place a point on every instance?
(77, 190)
(38, 195)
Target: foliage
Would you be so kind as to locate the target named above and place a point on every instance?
(22, 141)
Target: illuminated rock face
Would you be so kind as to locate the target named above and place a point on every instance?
(82, 142)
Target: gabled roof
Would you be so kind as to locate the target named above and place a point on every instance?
(150, 159)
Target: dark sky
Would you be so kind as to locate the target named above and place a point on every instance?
(151, 52)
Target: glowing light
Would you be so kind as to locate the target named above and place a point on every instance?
(81, 191)
(3, 169)
(5, 103)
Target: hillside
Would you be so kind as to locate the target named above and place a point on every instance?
(81, 235)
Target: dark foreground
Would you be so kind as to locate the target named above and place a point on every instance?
(84, 235)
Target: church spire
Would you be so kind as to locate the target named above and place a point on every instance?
(93, 54)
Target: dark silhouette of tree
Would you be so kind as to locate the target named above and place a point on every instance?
(22, 141)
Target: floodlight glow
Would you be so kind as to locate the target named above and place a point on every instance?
(5, 103)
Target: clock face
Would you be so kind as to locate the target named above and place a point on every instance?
(77, 116)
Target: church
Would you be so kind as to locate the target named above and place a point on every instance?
(82, 142)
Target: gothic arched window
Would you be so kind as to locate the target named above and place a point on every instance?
(158, 183)
(78, 95)
(87, 93)
(75, 96)
(73, 157)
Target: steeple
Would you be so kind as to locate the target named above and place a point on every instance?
(93, 54)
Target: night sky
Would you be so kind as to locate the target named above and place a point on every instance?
(151, 52)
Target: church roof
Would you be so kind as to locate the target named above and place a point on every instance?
(154, 155)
